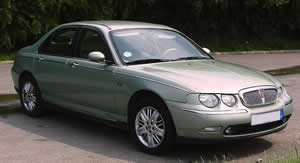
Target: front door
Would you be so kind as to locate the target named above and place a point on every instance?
(93, 83)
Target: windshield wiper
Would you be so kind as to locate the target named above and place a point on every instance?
(142, 61)
(190, 58)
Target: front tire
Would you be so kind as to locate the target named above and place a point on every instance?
(151, 126)
(30, 97)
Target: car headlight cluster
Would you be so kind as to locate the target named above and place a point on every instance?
(209, 100)
(212, 100)
(228, 100)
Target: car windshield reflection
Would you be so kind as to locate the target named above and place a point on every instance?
(136, 46)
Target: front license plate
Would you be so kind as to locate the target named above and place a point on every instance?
(263, 118)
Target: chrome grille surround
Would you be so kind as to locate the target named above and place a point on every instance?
(259, 96)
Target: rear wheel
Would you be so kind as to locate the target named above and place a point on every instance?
(30, 97)
(151, 126)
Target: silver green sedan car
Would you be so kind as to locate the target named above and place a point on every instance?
(152, 78)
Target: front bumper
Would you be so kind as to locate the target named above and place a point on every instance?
(236, 125)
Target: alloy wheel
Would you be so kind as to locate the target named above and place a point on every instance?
(150, 127)
(29, 96)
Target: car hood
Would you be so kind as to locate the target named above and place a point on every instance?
(208, 75)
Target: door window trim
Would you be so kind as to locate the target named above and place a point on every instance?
(100, 33)
(52, 36)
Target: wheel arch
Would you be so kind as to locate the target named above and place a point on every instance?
(22, 75)
(144, 94)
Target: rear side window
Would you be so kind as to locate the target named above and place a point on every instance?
(60, 44)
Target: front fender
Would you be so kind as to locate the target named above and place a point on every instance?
(130, 84)
(22, 63)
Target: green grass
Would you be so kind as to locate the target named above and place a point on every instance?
(290, 157)
(7, 56)
(293, 157)
(266, 45)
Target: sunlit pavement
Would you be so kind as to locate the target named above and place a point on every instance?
(263, 62)
(6, 83)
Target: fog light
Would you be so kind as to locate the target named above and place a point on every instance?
(284, 119)
(228, 131)
(211, 129)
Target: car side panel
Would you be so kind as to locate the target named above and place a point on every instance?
(50, 73)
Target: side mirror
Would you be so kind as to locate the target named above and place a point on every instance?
(206, 50)
(96, 56)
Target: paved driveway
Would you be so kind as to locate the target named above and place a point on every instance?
(6, 85)
(65, 138)
(263, 61)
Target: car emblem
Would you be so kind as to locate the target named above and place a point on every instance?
(262, 95)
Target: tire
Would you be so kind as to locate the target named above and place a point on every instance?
(30, 97)
(154, 135)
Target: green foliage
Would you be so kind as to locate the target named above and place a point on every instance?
(216, 21)
(212, 21)
(6, 56)
(23, 22)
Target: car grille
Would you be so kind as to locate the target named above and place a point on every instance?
(259, 96)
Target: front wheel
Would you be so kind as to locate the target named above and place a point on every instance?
(151, 126)
(30, 97)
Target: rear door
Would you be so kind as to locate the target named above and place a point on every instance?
(50, 65)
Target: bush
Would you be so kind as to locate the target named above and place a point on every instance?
(211, 22)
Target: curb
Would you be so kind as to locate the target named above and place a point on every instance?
(257, 52)
(284, 71)
(10, 104)
(6, 62)
(9, 101)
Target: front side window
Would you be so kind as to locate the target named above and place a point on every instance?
(61, 44)
(152, 45)
(91, 41)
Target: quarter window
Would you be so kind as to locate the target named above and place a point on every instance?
(61, 44)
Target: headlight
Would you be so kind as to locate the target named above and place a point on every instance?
(209, 100)
(228, 100)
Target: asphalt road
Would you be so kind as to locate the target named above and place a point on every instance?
(61, 137)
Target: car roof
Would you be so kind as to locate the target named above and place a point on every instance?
(119, 24)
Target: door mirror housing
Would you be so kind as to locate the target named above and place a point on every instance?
(206, 50)
(96, 56)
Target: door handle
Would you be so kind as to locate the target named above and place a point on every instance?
(39, 59)
(74, 64)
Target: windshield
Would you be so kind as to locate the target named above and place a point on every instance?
(136, 46)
